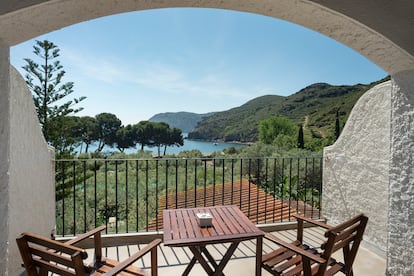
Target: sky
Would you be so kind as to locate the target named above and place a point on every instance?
(138, 64)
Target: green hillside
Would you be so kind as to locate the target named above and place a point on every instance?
(314, 107)
(186, 121)
(240, 123)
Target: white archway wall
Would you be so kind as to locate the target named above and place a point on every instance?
(30, 191)
(356, 167)
(401, 195)
(27, 23)
(30, 22)
(4, 154)
(370, 169)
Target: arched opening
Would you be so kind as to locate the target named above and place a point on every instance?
(194, 60)
(26, 21)
(306, 13)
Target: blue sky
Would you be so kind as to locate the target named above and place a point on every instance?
(137, 64)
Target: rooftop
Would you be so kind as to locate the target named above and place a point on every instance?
(258, 205)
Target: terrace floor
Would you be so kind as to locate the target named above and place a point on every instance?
(173, 261)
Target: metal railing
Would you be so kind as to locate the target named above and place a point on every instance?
(128, 195)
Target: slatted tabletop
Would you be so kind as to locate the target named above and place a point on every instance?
(229, 224)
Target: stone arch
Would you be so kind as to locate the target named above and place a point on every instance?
(26, 19)
(28, 22)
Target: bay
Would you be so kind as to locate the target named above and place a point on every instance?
(205, 147)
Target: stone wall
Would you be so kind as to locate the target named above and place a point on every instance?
(31, 173)
(356, 167)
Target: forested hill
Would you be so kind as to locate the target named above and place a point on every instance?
(186, 121)
(240, 123)
(314, 107)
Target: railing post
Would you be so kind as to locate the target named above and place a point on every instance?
(116, 197)
(126, 195)
(137, 194)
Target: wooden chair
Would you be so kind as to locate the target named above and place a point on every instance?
(42, 255)
(297, 258)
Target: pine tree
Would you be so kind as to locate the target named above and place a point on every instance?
(44, 81)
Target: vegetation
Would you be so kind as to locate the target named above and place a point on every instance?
(237, 124)
(44, 81)
(278, 131)
(129, 187)
(337, 126)
(105, 129)
(67, 133)
(313, 107)
(301, 141)
(108, 125)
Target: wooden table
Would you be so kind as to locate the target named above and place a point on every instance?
(230, 225)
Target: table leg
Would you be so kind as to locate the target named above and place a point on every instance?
(226, 258)
(209, 257)
(201, 260)
(218, 268)
(189, 266)
(211, 260)
(259, 249)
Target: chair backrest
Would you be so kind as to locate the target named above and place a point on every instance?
(42, 255)
(346, 236)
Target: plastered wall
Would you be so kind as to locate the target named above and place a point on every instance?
(401, 185)
(4, 154)
(31, 191)
(356, 167)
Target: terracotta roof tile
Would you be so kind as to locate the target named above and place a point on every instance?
(259, 206)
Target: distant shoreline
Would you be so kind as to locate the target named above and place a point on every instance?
(189, 144)
(222, 141)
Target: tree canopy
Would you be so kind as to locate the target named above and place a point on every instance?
(106, 129)
(108, 125)
(44, 79)
(278, 131)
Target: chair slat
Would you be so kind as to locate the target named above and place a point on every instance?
(344, 242)
(276, 252)
(334, 269)
(59, 270)
(348, 223)
(348, 231)
(52, 244)
(277, 259)
(110, 264)
(51, 256)
(289, 264)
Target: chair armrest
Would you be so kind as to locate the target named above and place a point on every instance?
(122, 265)
(86, 235)
(314, 222)
(54, 246)
(295, 249)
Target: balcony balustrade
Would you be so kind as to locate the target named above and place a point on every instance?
(128, 195)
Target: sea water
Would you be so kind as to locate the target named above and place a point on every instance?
(204, 146)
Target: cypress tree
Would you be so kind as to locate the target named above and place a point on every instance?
(301, 141)
(337, 127)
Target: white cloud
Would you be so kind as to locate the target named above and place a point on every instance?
(155, 76)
